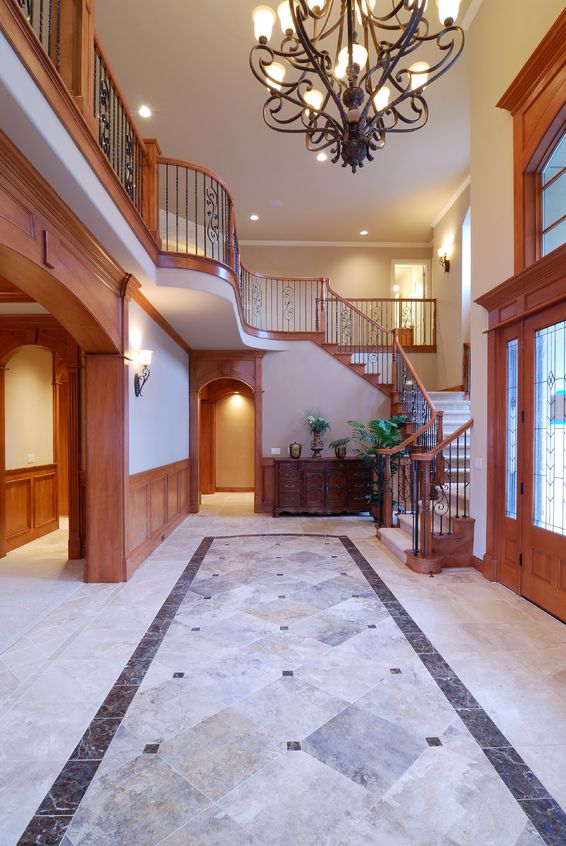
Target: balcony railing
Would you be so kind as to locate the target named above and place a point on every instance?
(117, 135)
(414, 318)
(44, 17)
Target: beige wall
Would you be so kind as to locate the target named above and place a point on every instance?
(494, 63)
(447, 289)
(235, 442)
(306, 377)
(29, 408)
(353, 271)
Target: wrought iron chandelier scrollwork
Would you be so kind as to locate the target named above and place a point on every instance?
(345, 76)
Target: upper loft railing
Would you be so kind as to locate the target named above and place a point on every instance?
(414, 318)
(117, 134)
(44, 17)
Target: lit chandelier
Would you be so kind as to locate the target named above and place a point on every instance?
(345, 76)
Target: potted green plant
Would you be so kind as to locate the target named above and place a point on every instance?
(318, 424)
(378, 434)
(339, 447)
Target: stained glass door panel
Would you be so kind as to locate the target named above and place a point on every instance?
(544, 450)
(510, 461)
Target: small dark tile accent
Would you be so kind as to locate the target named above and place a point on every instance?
(355, 596)
(214, 575)
(293, 746)
(195, 629)
(68, 788)
(279, 574)
(372, 626)
(288, 673)
(178, 675)
(395, 671)
(433, 741)
(151, 749)
(343, 574)
(334, 556)
(45, 831)
(282, 596)
(207, 597)
(284, 628)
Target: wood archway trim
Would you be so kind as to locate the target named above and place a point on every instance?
(207, 366)
(535, 98)
(44, 331)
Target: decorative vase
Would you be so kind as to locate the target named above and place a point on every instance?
(341, 451)
(295, 450)
(316, 445)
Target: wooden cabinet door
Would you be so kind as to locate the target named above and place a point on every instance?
(313, 487)
(336, 484)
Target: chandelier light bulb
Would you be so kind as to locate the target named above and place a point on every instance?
(275, 74)
(359, 55)
(285, 17)
(381, 99)
(314, 99)
(264, 19)
(315, 5)
(322, 157)
(366, 6)
(340, 71)
(448, 11)
(419, 74)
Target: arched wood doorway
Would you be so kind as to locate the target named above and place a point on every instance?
(226, 437)
(207, 367)
(33, 331)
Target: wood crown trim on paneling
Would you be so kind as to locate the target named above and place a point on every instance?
(137, 480)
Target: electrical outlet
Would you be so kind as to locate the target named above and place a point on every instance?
(275, 451)
(478, 463)
(31, 457)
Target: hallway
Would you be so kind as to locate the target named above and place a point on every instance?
(194, 731)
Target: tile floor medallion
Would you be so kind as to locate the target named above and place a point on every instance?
(283, 695)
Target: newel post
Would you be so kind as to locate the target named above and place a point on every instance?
(150, 191)
(321, 313)
(77, 54)
(388, 493)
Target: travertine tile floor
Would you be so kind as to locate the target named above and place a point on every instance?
(223, 772)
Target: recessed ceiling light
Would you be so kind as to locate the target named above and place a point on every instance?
(364, 232)
(322, 157)
(254, 217)
(144, 111)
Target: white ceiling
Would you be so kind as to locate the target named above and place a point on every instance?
(189, 62)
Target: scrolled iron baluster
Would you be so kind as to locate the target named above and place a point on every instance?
(129, 163)
(212, 214)
(288, 303)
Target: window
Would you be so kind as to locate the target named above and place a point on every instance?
(511, 429)
(553, 190)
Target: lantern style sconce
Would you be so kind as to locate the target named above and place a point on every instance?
(444, 254)
(141, 359)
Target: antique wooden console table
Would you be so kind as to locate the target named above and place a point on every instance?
(321, 486)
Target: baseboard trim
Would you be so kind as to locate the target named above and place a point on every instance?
(234, 490)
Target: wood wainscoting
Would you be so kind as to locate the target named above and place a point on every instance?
(158, 500)
(268, 486)
(31, 504)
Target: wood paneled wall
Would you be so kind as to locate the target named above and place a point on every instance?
(158, 500)
(31, 504)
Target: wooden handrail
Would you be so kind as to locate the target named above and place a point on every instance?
(428, 456)
(340, 299)
(166, 160)
(392, 300)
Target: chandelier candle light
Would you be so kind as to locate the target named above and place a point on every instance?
(344, 76)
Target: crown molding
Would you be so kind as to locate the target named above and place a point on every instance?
(456, 196)
(410, 245)
(471, 12)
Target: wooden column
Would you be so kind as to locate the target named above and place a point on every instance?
(77, 547)
(105, 478)
(258, 435)
(2, 465)
(194, 449)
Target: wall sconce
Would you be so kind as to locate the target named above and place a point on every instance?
(444, 254)
(141, 359)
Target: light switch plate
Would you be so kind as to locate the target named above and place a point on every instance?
(478, 463)
(275, 451)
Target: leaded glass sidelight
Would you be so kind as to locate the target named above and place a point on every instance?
(511, 429)
(549, 511)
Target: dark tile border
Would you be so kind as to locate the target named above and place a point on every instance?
(50, 822)
(54, 815)
(543, 811)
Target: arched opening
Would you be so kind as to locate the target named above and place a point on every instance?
(227, 443)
